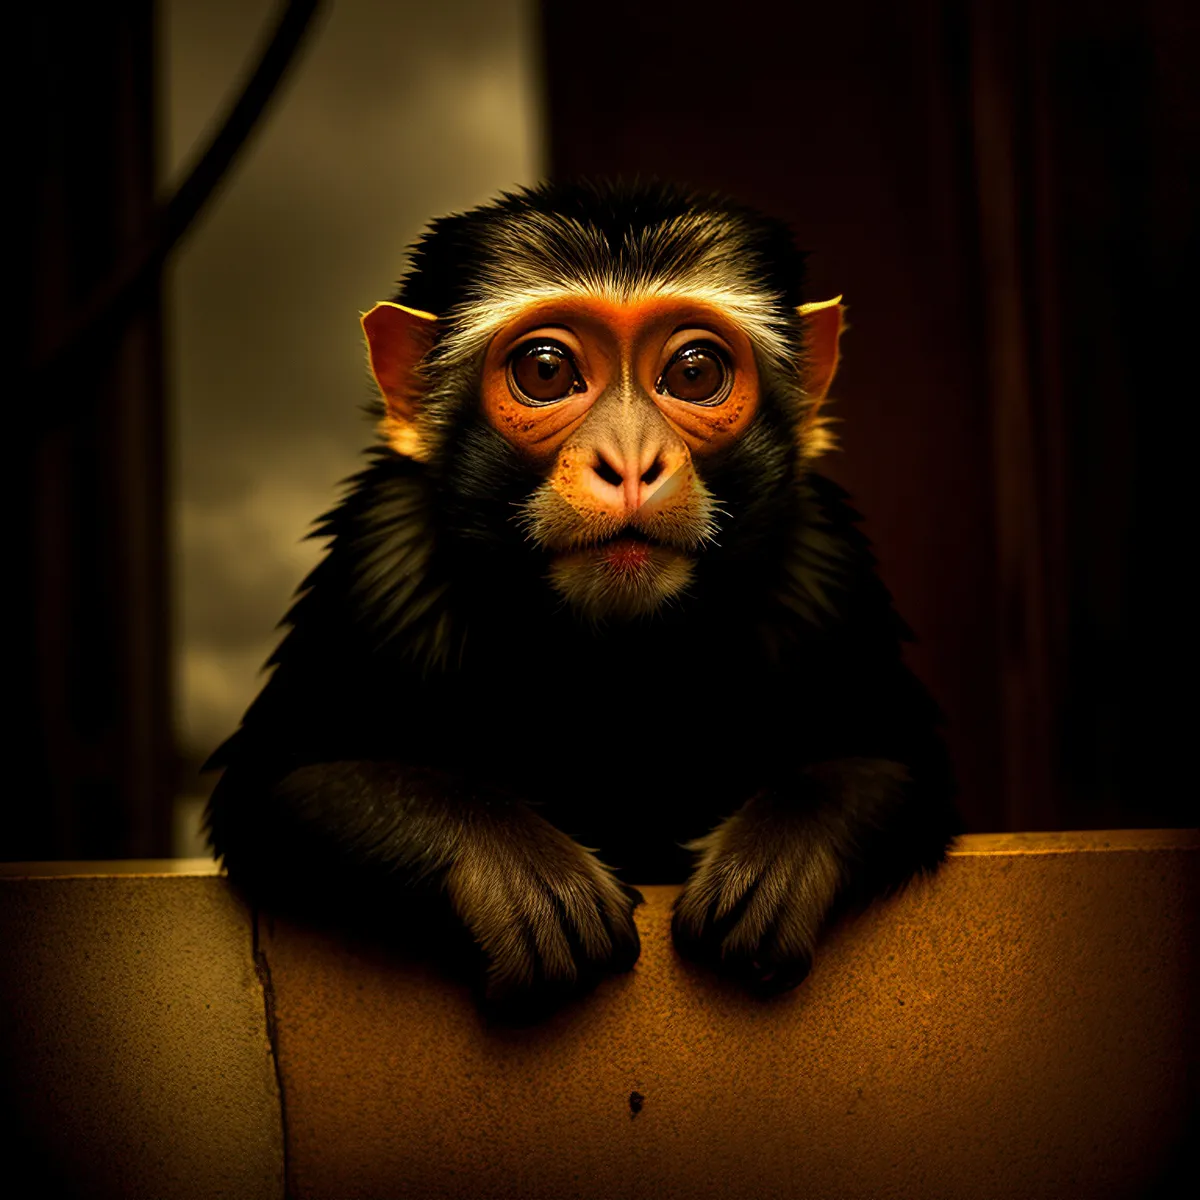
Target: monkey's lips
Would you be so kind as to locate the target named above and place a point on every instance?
(630, 553)
(627, 553)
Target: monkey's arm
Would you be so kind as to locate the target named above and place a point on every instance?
(546, 913)
(769, 877)
(859, 802)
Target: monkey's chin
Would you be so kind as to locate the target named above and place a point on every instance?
(620, 580)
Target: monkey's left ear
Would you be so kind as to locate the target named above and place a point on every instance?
(822, 329)
(397, 339)
(822, 332)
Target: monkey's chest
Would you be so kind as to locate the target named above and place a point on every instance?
(636, 780)
(631, 753)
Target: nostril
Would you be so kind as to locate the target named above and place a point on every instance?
(607, 471)
(655, 470)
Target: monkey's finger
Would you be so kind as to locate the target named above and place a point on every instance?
(741, 893)
(626, 952)
(695, 938)
(781, 961)
(625, 940)
(785, 954)
(587, 965)
(617, 899)
(738, 877)
(745, 927)
(543, 916)
(584, 900)
(515, 926)
(718, 889)
(692, 909)
(770, 978)
(509, 952)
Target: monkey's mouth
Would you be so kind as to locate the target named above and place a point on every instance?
(625, 555)
(627, 551)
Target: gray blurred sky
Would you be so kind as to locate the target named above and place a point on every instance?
(395, 113)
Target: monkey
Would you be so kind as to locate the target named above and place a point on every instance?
(589, 617)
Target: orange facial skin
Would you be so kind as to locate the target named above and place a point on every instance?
(622, 512)
(626, 346)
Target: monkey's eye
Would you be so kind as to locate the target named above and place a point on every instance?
(698, 373)
(543, 372)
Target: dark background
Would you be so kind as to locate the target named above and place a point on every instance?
(1004, 192)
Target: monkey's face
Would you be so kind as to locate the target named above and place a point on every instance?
(603, 384)
(618, 407)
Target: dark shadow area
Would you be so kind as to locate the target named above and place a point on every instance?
(1004, 193)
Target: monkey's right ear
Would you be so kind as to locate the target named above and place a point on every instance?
(397, 339)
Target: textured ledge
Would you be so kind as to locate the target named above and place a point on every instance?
(133, 1038)
(1019, 1026)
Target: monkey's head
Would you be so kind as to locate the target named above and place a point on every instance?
(615, 384)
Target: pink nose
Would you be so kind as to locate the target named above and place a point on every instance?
(622, 483)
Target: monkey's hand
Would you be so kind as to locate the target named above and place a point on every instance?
(548, 915)
(768, 876)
